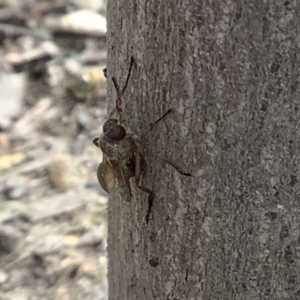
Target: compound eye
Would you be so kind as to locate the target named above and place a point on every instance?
(108, 124)
(113, 130)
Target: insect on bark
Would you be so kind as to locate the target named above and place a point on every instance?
(123, 155)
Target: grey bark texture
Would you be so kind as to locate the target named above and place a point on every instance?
(231, 71)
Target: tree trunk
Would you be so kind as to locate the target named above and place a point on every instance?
(230, 72)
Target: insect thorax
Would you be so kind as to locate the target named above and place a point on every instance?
(117, 150)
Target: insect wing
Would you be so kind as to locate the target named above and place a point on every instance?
(106, 176)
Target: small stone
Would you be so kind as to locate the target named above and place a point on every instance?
(9, 239)
(61, 171)
(3, 277)
(15, 188)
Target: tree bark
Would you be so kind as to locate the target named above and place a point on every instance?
(230, 72)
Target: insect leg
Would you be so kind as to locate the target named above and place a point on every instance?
(149, 199)
(159, 119)
(165, 160)
(175, 167)
(139, 171)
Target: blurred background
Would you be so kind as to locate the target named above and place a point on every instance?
(52, 105)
